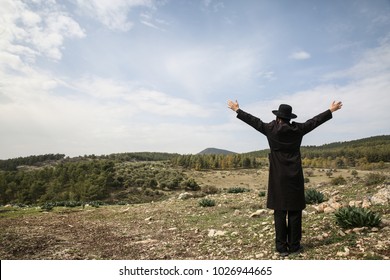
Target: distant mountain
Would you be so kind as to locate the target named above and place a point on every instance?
(215, 151)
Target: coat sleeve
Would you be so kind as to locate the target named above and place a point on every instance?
(253, 121)
(311, 124)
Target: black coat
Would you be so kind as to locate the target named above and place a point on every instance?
(285, 182)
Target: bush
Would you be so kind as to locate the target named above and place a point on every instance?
(205, 202)
(191, 185)
(338, 181)
(374, 179)
(313, 196)
(350, 217)
(210, 189)
(237, 190)
(262, 193)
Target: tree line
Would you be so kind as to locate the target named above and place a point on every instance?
(78, 181)
(212, 161)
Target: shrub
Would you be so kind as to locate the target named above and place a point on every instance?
(205, 202)
(350, 217)
(338, 181)
(210, 189)
(237, 190)
(48, 206)
(313, 196)
(262, 193)
(374, 179)
(191, 185)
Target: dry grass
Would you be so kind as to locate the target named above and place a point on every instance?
(180, 229)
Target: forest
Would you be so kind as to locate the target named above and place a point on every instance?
(147, 176)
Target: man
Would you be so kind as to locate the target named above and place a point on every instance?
(285, 183)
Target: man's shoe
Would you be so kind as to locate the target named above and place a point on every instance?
(283, 254)
(297, 251)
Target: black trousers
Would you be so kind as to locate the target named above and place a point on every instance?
(288, 232)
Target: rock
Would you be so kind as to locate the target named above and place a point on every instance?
(366, 203)
(185, 195)
(227, 225)
(259, 213)
(335, 193)
(382, 197)
(146, 241)
(341, 233)
(236, 212)
(355, 203)
(375, 229)
(329, 209)
(213, 233)
(319, 208)
(148, 219)
(336, 205)
(358, 230)
(343, 254)
(385, 222)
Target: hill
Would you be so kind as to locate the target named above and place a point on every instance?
(373, 149)
(238, 227)
(215, 151)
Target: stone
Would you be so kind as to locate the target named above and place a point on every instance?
(236, 212)
(259, 213)
(319, 208)
(214, 233)
(336, 205)
(185, 195)
(366, 203)
(227, 225)
(382, 197)
(329, 209)
(355, 203)
(358, 230)
(343, 254)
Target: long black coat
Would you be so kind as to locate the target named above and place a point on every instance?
(285, 182)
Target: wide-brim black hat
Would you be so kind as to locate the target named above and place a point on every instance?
(284, 112)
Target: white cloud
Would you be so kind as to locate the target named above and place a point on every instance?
(114, 13)
(31, 31)
(372, 63)
(203, 70)
(300, 55)
(364, 94)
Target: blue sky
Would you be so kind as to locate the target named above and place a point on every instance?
(99, 77)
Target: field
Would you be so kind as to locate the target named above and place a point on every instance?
(237, 227)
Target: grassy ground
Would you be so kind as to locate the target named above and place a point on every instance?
(181, 229)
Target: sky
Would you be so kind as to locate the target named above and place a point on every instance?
(82, 77)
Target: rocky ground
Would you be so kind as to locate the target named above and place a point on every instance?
(237, 227)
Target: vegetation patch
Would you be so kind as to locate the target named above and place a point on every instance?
(206, 202)
(237, 190)
(313, 196)
(351, 217)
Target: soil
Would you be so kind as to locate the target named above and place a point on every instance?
(182, 229)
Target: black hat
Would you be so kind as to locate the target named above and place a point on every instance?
(284, 112)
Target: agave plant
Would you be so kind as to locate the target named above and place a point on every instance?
(205, 202)
(313, 196)
(351, 216)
